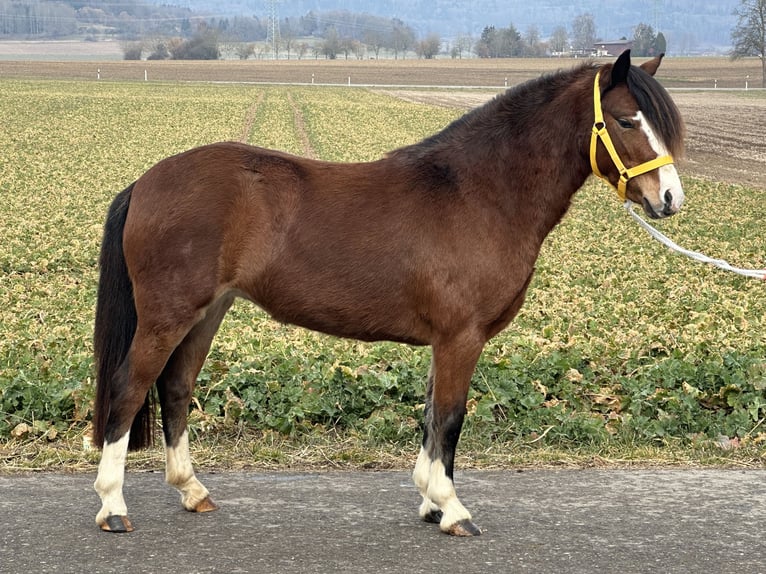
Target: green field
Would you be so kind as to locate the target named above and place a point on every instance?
(622, 351)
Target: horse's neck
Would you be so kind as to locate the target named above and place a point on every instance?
(538, 157)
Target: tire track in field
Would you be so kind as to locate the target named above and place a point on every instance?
(247, 127)
(300, 129)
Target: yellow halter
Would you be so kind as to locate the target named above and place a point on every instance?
(599, 131)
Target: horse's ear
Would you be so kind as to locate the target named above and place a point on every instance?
(650, 66)
(620, 69)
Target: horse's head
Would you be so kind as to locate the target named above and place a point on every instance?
(636, 133)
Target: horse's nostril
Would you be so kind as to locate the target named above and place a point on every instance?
(668, 208)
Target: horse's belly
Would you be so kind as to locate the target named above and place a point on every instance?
(375, 311)
(361, 322)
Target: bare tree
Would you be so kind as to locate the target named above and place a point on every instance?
(533, 47)
(559, 41)
(462, 44)
(402, 38)
(644, 40)
(347, 46)
(132, 50)
(359, 49)
(303, 49)
(244, 50)
(331, 45)
(749, 36)
(584, 33)
(287, 35)
(375, 39)
(228, 43)
(429, 47)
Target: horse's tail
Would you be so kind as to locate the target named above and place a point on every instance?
(115, 327)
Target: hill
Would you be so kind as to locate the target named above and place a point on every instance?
(689, 25)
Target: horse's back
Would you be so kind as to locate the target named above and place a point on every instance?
(296, 236)
(365, 250)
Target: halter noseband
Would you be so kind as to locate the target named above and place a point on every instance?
(599, 131)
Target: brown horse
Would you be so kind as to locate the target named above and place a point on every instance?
(434, 244)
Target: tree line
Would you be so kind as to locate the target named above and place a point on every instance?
(34, 19)
(331, 35)
(511, 43)
(347, 35)
(166, 31)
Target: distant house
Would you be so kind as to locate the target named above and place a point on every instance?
(614, 48)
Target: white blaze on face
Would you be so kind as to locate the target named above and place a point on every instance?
(669, 180)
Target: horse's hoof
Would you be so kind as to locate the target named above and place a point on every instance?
(205, 505)
(114, 523)
(434, 517)
(464, 528)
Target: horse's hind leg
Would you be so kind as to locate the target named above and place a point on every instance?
(175, 387)
(145, 360)
(112, 517)
(451, 369)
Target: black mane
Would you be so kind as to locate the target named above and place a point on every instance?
(520, 102)
(654, 101)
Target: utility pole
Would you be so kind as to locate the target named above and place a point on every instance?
(273, 31)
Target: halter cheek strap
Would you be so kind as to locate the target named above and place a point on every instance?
(600, 132)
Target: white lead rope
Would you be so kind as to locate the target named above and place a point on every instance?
(664, 239)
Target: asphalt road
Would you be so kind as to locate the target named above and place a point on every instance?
(663, 521)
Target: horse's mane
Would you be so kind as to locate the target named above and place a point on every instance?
(514, 106)
(515, 103)
(521, 101)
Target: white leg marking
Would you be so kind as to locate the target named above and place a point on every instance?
(669, 180)
(180, 474)
(441, 490)
(110, 478)
(420, 477)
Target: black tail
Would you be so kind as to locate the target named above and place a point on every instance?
(115, 327)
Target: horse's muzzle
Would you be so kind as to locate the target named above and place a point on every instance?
(669, 207)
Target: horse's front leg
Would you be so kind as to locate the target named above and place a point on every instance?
(451, 368)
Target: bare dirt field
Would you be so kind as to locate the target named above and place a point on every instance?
(725, 126)
(59, 50)
(18, 61)
(725, 136)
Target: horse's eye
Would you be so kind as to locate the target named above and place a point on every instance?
(624, 123)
